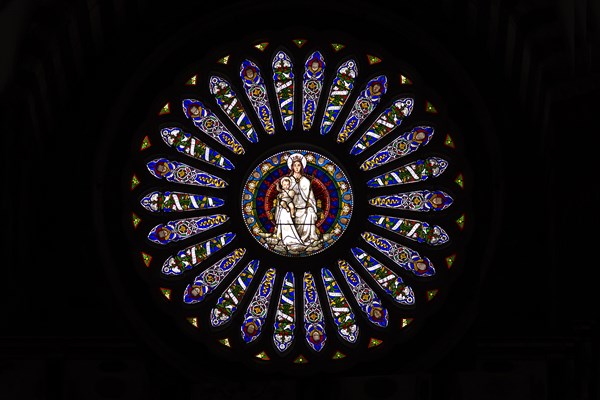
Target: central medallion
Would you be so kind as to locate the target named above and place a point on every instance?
(297, 203)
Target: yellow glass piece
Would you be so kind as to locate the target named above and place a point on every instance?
(404, 80)
(406, 322)
(193, 321)
(223, 60)
(374, 343)
(225, 342)
(166, 292)
(192, 81)
(263, 356)
(337, 46)
(262, 46)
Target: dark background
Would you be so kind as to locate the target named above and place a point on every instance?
(531, 67)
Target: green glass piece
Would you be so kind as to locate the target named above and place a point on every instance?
(147, 259)
(135, 219)
(145, 143)
(262, 46)
(431, 294)
(300, 360)
(406, 322)
(461, 222)
(459, 181)
(192, 81)
(449, 142)
(337, 46)
(373, 60)
(430, 108)
(374, 343)
(338, 355)
(166, 292)
(299, 42)
(134, 182)
(450, 260)
(404, 80)
(263, 356)
(166, 109)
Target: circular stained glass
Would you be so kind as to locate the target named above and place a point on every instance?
(297, 203)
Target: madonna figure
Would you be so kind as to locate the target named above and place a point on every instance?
(305, 205)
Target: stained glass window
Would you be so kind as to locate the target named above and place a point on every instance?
(298, 203)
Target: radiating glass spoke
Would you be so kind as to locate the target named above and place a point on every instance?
(283, 79)
(342, 313)
(385, 278)
(367, 299)
(177, 172)
(338, 93)
(193, 147)
(256, 314)
(314, 321)
(416, 171)
(255, 88)
(205, 120)
(232, 107)
(405, 257)
(420, 200)
(406, 143)
(227, 304)
(366, 102)
(285, 318)
(180, 229)
(314, 74)
(167, 202)
(387, 121)
(191, 256)
(412, 229)
(211, 278)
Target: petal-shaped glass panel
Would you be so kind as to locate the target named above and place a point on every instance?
(193, 147)
(283, 79)
(405, 257)
(180, 229)
(191, 256)
(405, 144)
(312, 85)
(232, 106)
(364, 105)
(177, 172)
(257, 311)
(205, 120)
(387, 121)
(255, 88)
(211, 278)
(340, 90)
